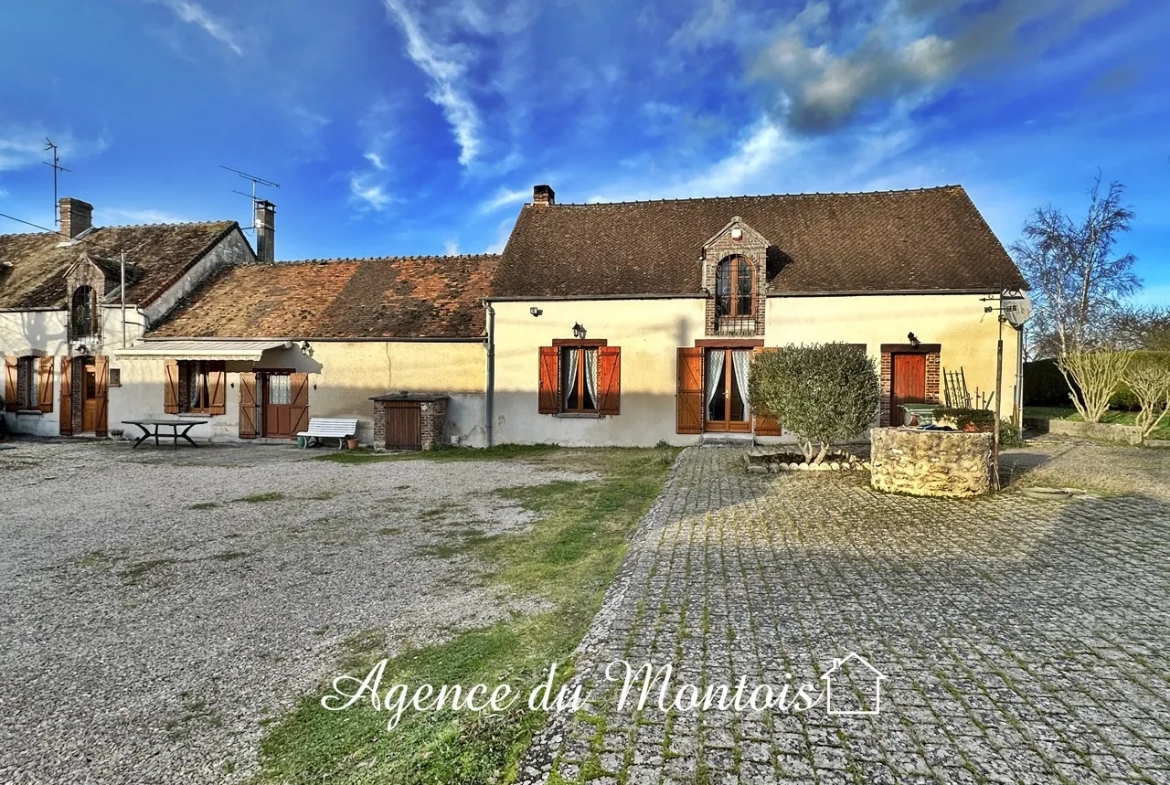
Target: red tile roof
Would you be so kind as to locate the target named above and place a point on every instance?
(156, 256)
(403, 297)
(922, 240)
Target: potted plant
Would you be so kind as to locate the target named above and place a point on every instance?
(351, 443)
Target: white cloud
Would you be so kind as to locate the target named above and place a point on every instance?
(370, 195)
(195, 14)
(110, 216)
(503, 198)
(24, 146)
(451, 247)
(446, 73)
(376, 161)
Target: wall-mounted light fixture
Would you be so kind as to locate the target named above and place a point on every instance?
(306, 348)
(706, 292)
(578, 331)
(913, 340)
(535, 311)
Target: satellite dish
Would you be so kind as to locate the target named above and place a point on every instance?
(1016, 308)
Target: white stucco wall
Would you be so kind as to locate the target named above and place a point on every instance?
(343, 376)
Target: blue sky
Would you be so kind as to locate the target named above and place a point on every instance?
(404, 126)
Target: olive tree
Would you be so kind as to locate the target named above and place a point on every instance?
(822, 393)
(1093, 377)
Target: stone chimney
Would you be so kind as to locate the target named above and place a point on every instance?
(543, 196)
(265, 231)
(76, 216)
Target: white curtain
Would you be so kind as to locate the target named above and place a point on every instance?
(714, 374)
(570, 376)
(591, 375)
(741, 364)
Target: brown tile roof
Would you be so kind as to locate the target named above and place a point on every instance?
(929, 239)
(156, 256)
(406, 297)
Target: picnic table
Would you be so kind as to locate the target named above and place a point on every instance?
(151, 428)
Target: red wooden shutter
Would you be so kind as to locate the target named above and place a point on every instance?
(45, 385)
(247, 406)
(766, 423)
(216, 382)
(609, 379)
(689, 399)
(549, 374)
(11, 399)
(171, 387)
(66, 416)
(298, 411)
(102, 389)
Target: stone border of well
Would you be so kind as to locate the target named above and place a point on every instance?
(856, 464)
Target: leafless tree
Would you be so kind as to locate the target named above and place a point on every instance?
(1143, 328)
(1078, 282)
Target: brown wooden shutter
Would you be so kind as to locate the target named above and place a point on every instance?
(298, 411)
(102, 389)
(549, 374)
(45, 385)
(689, 399)
(216, 384)
(66, 416)
(766, 423)
(11, 398)
(609, 379)
(171, 387)
(247, 406)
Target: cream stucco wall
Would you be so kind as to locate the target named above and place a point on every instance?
(649, 333)
(343, 376)
(956, 321)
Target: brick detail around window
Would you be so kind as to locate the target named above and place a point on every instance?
(77, 402)
(752, 247)
(933, 373)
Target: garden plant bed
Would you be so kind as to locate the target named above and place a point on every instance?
(794, 461)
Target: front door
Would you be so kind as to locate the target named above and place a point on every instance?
(726, 390)
(90, 400)
(908, 384)
(277, 417)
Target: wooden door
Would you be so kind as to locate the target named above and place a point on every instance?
(277, 405)
(247, 406)
(89, 396)
(726, 411)
(403, 425)
(907, 383)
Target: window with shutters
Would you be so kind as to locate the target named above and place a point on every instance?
(578, 378)
(200, 386)
(29, 384)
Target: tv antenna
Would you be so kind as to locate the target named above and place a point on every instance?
(255, 182)
(57, 169)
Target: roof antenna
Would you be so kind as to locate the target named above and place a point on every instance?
(57, 168)
(255, 181)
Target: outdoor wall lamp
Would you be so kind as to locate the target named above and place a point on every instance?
(913, 340)
(578, 331)
(535, 311)
(306, 347)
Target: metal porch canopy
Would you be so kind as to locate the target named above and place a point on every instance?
(201, 350)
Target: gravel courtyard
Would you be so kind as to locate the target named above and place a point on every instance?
(1021, 641)
(157, 606)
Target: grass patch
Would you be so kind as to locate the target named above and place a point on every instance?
(271, 496)
(567, 558)
(389, 530)
(203, 506)
(502, 452)
(231, 555)
(133, 574)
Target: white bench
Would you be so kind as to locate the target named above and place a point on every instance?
(339, 428)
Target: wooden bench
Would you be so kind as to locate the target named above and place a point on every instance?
(339, 428)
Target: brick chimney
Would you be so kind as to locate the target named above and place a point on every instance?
(76, 216)
(543, 196)
(265, 231)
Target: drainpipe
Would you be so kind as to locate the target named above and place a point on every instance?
(123, 299)
(489, 402)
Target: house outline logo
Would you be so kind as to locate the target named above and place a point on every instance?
(828, 677)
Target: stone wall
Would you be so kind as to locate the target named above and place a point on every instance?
(930, 463)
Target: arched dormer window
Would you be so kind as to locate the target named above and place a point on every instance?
(84, 312)
(735, 288)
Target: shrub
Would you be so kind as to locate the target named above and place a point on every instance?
(823, 393)
(1125, 398)
(1093, 377)
(1149, 379)
(982, 419)
(1044, 384)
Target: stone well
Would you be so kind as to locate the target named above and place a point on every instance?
(930, 463)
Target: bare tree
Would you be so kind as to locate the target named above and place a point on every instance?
(1078, 284)
(1143, 328)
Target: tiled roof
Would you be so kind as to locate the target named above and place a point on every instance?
(156, 256)
(921, 240)
(405, 297)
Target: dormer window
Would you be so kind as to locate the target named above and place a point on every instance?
(735, 284)
(84, 318)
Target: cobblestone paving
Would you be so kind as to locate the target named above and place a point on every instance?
(1022, 641)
